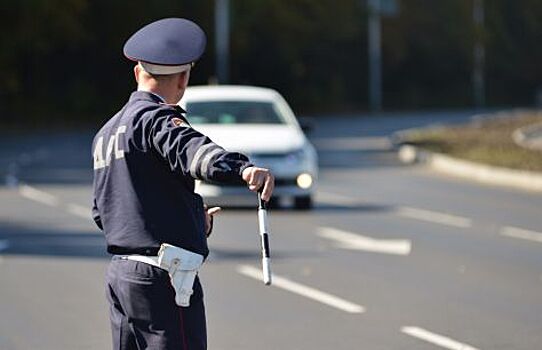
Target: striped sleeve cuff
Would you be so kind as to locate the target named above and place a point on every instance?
(202, 159)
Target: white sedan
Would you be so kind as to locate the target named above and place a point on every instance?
(259, 123)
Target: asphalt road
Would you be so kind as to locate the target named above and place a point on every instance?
(392, 257)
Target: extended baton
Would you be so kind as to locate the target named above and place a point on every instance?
(264, 234)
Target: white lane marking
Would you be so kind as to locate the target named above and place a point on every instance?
(49, 199)
(4, 244)
(520, 233)
(434, 216)
(348, 240)
(436, 339)
(336, 199)
(408, 212)
(38, 196)
(307, 292)
(79, 210)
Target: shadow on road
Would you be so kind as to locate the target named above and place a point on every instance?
(224, 254)
(47, 158)
(369, 208)
(30, 241)
(318, 208)
(22, 240)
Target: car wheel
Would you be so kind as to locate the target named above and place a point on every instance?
(303, 203)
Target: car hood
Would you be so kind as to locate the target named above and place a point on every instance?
(254, 138)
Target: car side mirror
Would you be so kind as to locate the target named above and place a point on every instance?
(306, 124)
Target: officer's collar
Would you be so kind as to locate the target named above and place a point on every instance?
(152, 97)
(160, 97)
(146, 96)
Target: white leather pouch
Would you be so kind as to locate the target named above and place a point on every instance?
(182, 266)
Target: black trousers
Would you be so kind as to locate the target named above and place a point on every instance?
(143, 311)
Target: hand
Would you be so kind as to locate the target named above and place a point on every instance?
(259, 178)
(209, 213)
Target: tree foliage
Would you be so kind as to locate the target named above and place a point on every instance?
(63, 58)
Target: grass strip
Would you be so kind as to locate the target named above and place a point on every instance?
(487, 141)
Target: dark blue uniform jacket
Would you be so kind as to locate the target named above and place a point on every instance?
(146, 159)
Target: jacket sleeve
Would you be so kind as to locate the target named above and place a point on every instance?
(193, 154)
(96, 216)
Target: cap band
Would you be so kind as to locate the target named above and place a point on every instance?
(163, 70)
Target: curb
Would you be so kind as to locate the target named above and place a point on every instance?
(521, 179)
(529, 137)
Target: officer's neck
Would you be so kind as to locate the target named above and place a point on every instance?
(171, 97)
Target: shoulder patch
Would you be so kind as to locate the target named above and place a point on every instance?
(178, 122)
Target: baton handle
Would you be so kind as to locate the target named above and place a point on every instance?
(264, 234)
(261, 203)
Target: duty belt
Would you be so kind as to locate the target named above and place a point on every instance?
(182, 266)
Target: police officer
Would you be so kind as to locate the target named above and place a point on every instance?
(146, 159)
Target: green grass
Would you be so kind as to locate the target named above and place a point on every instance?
(488, 141)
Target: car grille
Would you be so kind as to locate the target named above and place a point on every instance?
(268, 155)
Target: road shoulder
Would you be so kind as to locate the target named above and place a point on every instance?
(520, 179)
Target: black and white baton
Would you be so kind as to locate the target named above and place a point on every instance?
(264, 234)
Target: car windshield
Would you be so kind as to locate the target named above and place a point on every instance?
(233, 112)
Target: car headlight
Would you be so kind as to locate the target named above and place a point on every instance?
(304, 181)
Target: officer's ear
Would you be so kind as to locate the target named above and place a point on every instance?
(183, 79)
(137, 70)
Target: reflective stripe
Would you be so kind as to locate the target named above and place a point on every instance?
(207, 159)
(195, 161)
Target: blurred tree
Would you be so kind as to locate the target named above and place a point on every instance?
(427, 52)
(31, 31)
(514, 34)
(313, 52)
(63, 58)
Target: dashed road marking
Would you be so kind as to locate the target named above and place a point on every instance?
(348, 240)
(79, 210)
(336, 199)
(305, 291)
(434, 216)
(4, 244)
(404, 211)
(520, 233)
(436, 339)
(51, 200)
(38, 196)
